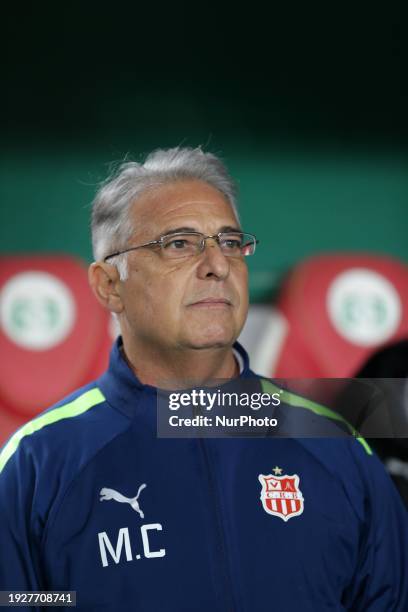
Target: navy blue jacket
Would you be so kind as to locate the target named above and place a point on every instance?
(227, 524)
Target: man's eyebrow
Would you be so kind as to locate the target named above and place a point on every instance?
(230, 228)
(180, 230)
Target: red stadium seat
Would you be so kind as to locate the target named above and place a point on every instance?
(332, 314)
(54, 336)
(339, 309)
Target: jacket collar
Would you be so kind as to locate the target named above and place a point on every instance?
(124, 391)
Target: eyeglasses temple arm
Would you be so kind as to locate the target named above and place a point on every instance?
(139, 246)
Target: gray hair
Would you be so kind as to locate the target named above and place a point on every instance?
(111, 226)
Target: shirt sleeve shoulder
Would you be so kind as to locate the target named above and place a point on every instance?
(37, 465)
(20, 567)
(381, 582)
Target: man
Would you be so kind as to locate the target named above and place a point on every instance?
(93, 501)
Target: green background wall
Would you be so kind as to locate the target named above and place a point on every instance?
(297, 206)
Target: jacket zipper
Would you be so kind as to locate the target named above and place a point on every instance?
(228, 588)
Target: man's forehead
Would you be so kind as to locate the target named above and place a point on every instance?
(187, 204)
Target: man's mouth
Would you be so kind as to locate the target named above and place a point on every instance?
(212, 303)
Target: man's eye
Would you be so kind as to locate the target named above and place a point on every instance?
(232, 244)
(177, 244)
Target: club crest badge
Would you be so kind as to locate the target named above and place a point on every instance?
(281, 495)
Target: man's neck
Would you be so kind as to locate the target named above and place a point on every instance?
(182, 367)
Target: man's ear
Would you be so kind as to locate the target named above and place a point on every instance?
(104, 280)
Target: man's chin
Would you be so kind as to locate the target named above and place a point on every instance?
(206, 334)
(210, 345)
(211, 341)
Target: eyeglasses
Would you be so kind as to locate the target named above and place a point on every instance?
(188, 244)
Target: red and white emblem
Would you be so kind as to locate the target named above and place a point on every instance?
(281, 495)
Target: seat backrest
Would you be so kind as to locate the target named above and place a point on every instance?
(339, 309)
(54, 336)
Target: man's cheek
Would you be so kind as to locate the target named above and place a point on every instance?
(176, 266)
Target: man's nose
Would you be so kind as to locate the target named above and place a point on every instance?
(213, 262)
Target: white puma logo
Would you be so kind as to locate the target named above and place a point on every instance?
(107, 494)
